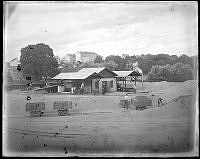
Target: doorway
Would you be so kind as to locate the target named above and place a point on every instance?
(104, 87)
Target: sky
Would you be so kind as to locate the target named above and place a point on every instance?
(106, 28)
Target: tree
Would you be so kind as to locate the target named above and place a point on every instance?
(38, 61)
(110, 65)
(177, 73)
(145, 63)
(118, 60)
(98, 59)
(185, 59)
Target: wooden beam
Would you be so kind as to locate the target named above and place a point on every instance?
(91, 85)
(135, 80)
(125, 83)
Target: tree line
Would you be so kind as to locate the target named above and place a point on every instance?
(39, 62)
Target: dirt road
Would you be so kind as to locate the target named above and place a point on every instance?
(97, 125)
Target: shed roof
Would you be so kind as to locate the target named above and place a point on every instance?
(74, 75)
(123, 73)
(82, 74)
(136, 71)
(96, 69)
(92, 70)
(14, 62)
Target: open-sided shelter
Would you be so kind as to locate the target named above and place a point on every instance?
(130, 76)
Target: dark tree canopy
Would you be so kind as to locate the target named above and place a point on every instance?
(178, 72)
(38, 61)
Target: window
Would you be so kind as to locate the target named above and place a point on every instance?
(96, 84)
(111, 84)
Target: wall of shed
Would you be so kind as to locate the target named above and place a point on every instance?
(109, 89)
(87, 86)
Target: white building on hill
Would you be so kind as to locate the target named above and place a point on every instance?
(69, 58)
(84, 56)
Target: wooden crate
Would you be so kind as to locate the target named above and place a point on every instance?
(35, 106)
(62, 105)
(122, 103)
(141, 101)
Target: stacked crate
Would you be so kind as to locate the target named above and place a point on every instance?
(123, 103)
(35, 109)
(62, 107)
(141, 102)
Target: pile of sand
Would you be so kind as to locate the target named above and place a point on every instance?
(181, 107)
(184, 88)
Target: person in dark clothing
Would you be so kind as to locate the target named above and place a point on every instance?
(160, 102)
(127, 99)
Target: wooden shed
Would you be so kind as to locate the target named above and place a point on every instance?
(96, 80)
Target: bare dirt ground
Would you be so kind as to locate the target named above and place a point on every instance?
(98, 126)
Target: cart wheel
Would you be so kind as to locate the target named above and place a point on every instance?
(41, 113)
(59, 113)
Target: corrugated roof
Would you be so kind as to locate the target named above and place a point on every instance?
(128, 73)
(73, 75)
(92, 70)
(81, 74)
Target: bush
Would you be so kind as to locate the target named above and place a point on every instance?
(177, 73)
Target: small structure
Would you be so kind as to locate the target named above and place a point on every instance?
(128, 76)
(13, 70)
(96, 80)
(105, 84)
(35, 109)
(68, 82)
(62, 107)
(141, 102)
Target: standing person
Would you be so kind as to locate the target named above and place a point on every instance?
(82, 88)
(134, 87)
(127, 99)
(103, 88)
(160, 102)
(29, 86)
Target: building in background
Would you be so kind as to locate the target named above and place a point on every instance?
(12, 70)
(69, 58)
(14, 63)
(58, 58)
(84, 56)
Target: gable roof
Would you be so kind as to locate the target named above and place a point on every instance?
(96, 69)
(73, 75)
(14, 62)
(92, 70)
(136, 71)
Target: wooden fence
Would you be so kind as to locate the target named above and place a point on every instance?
(11, 87)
